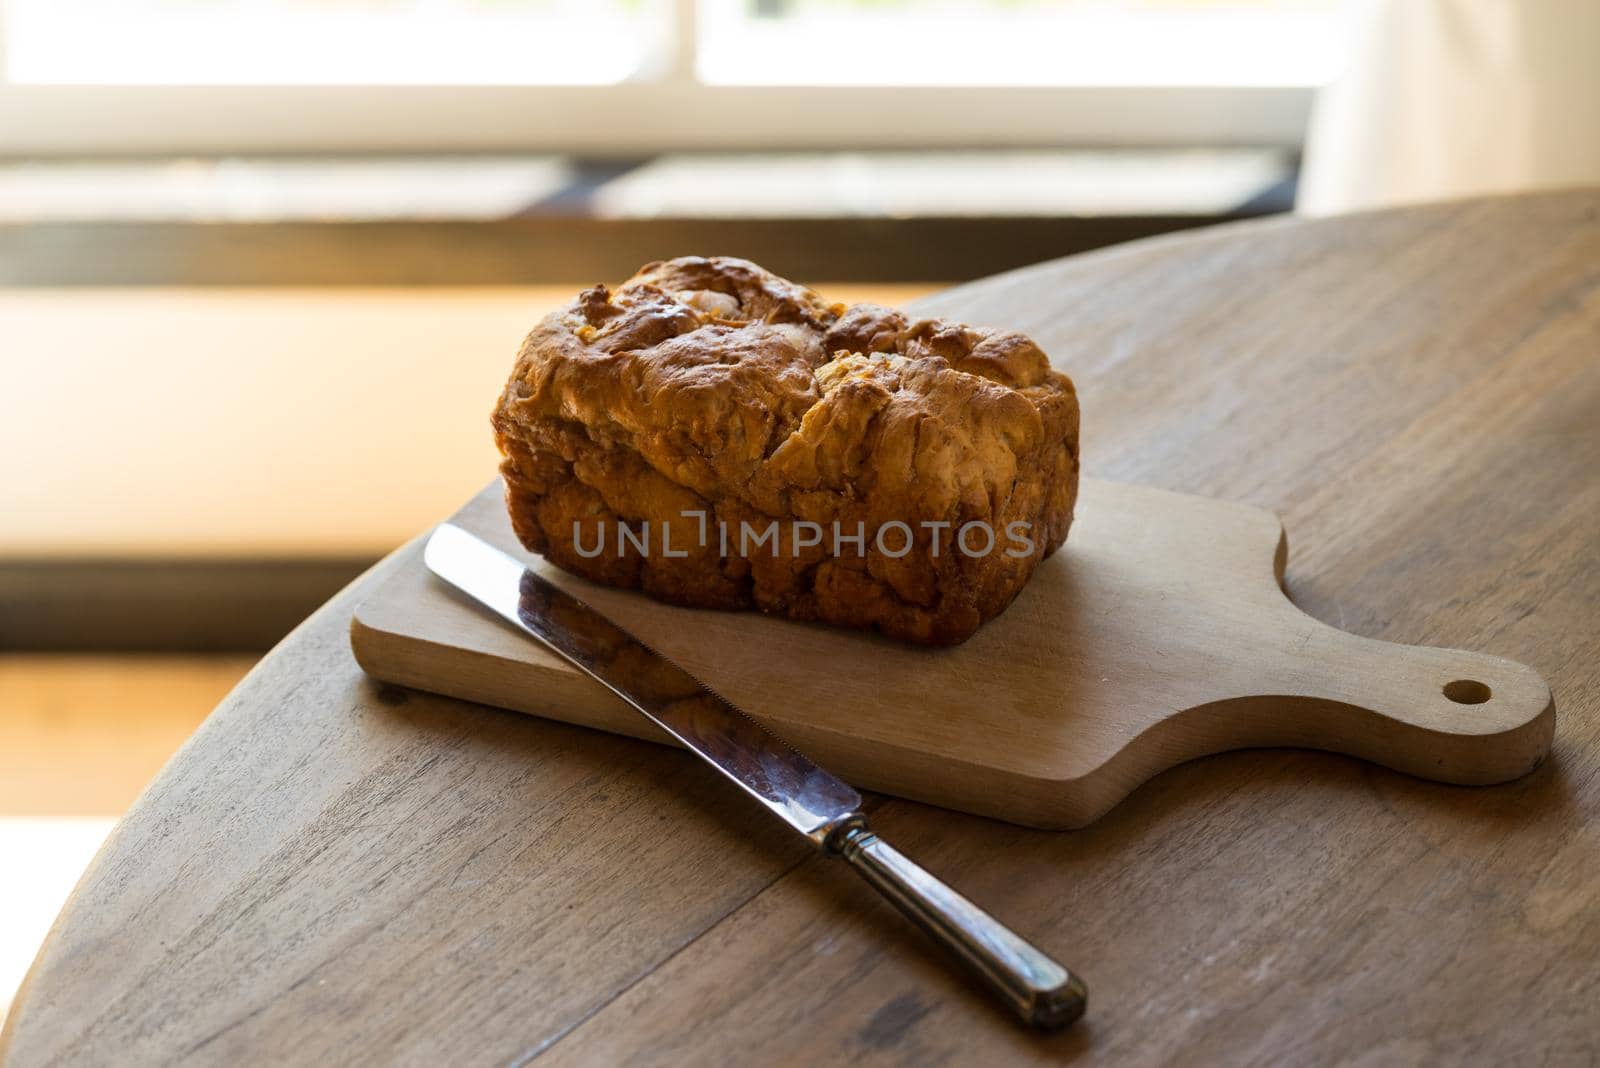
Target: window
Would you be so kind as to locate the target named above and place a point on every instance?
(1018, 42)
(332, 42)
(630, 76)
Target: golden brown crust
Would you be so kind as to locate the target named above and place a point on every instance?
(712, 386)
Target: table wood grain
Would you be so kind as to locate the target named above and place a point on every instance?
(333, 871)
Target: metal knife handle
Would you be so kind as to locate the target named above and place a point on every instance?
(1042, 992)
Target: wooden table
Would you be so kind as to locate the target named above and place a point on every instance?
(336, 871)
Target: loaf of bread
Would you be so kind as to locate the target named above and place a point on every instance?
(720, 437)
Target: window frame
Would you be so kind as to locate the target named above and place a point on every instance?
(626, 119)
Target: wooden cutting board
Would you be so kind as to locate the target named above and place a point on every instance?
(1158, 634)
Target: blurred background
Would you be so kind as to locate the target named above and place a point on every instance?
(265, 263)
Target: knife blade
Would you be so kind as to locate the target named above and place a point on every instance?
(823, 808)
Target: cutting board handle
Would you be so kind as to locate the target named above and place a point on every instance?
(1417, 709)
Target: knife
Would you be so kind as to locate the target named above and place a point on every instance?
(824, 809)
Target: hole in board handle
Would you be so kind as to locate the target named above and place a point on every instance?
(1467, 692)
